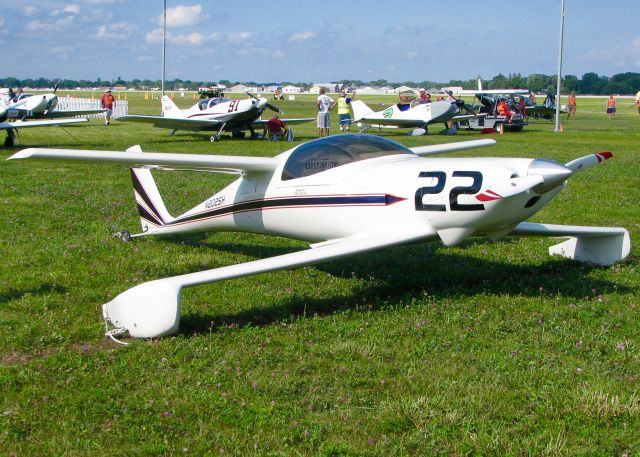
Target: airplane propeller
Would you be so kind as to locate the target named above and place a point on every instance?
(268, 105)
(543, 175)
(461, 104)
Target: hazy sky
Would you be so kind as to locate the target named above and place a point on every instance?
(300, 40)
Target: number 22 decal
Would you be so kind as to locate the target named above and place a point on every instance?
(441, 179)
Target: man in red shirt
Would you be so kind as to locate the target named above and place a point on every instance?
(108, 101)
(276, 128)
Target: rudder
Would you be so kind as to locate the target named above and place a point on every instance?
(360, 109)
(170, 109)
(153, 213)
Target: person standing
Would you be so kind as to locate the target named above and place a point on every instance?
(324, 104)
(108, 101)
(638, 101)
(344, 111)
(611, 107)
(571, 105)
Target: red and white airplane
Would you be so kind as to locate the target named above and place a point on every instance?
(217, 114)
(345, 194)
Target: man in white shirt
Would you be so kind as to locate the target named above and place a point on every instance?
(324, 104)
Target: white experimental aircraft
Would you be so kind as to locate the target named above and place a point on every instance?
(414, 115)
(217, 114)
(347, 195)
(41, 106)
(459, 91)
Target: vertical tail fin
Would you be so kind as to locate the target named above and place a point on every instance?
(170, 109)
(360, 109)
(152, 211)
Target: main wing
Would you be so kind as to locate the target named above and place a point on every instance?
(55, 114)
(463, 117)
(152, 309)
(296, 121)
(26, 124)
(451, 147)
(174, 123)
(132, 157)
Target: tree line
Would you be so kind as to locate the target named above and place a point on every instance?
(590, 83)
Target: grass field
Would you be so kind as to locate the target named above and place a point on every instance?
(482, 349)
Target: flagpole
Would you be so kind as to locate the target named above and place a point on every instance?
(164, 41)
(557, 129)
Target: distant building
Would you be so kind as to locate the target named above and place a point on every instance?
(368, 90)
(315, 89)
(291, 90)
(239, 88)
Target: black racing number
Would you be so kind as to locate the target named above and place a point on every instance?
(441, 179)
(466, 190)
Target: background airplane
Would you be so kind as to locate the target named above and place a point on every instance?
(411, 114)
(458, 91)
(217, 114)
(346, 194)
(40, 106)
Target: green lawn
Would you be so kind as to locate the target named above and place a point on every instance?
(482, 349)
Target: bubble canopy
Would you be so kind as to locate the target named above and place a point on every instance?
(334, 151)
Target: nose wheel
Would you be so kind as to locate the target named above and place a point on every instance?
(216, 137)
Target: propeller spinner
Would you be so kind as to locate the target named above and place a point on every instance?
(268, 105)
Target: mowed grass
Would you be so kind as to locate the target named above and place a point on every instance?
(482, 349)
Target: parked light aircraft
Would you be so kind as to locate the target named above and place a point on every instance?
(458, 91)
(346, 194)
(11, 127)
(41, 106)
(218, 114)
(414, 115)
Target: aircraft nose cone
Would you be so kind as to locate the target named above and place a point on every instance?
(553, 174)
(262, 103)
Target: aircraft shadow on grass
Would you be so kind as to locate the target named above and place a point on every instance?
(400, 273)
(42, 289)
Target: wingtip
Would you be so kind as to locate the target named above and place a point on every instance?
(605, 155)
(24, 154)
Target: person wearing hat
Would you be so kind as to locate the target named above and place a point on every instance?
(425, 97)
(344, 112)
(108, 101)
